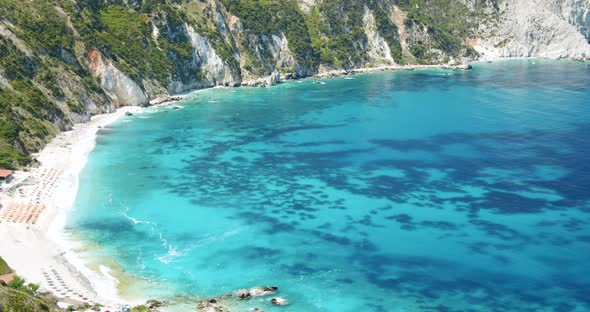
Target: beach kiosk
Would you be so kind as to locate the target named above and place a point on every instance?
(5, 175)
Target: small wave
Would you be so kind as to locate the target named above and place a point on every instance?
(152, 225)
(171, 255)
(171, 251)
(174, 253)
(139, 259)
(106, 271)
(214, 238)
(163, 259)
(135, 221)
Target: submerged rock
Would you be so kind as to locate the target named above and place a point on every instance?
(243, 294)
(210, 305)
(153, 304)
(260, 291)
(278, 301)
(218, 304)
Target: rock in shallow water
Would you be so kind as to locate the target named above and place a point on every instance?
(278, 301)
(210, 305)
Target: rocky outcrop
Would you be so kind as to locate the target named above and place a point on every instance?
(215, 71)
(377, 48)
(121, 88)
(6, 33)
(221, 303)
(211, 305)
(531, 29)
(273, 79)
(576, 13)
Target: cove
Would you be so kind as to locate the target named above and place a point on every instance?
(396, 191)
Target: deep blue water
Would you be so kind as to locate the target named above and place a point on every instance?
(397, 191)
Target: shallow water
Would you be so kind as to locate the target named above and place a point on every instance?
(399, 191)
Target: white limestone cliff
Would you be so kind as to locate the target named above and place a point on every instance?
(121, 88)
(531, 28)
(378, 49)
(215, 70)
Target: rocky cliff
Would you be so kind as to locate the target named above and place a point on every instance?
(62, 61)
(534, 28)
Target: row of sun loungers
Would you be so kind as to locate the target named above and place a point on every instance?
(22, 213)
(45, 182)
(60, 289)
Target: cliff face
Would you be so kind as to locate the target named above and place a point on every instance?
(576, 13)
(535, 28)
(116, 84)
(62, 61)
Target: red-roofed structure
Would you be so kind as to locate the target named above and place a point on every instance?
(5, 174)
(7, 278)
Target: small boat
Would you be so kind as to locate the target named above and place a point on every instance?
(319, 82)
(176, 107)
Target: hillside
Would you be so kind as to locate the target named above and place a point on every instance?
(62, 61)
(13, 300)
(4, 268)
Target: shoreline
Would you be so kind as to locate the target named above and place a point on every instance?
(35, 250)
(42, 253)
(344, 72)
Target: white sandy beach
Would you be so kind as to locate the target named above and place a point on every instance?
(40, 252)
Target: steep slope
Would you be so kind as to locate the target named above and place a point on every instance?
(62, 61)
(4, 268)
(532, 28)
(13, 300)
(577, 13)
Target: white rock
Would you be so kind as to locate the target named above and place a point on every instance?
(121, 88)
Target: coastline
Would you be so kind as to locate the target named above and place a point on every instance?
(42, 253)
(343, 72)
(33, 250)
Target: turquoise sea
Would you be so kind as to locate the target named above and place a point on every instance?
(428, 190)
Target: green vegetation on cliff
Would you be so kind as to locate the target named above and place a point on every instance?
(36, 47)
(338, 34)
(15, 300)
(448, 23)
(273, 17)
(125, 35)
(19, 296)
(4, 268)
(45, 80)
